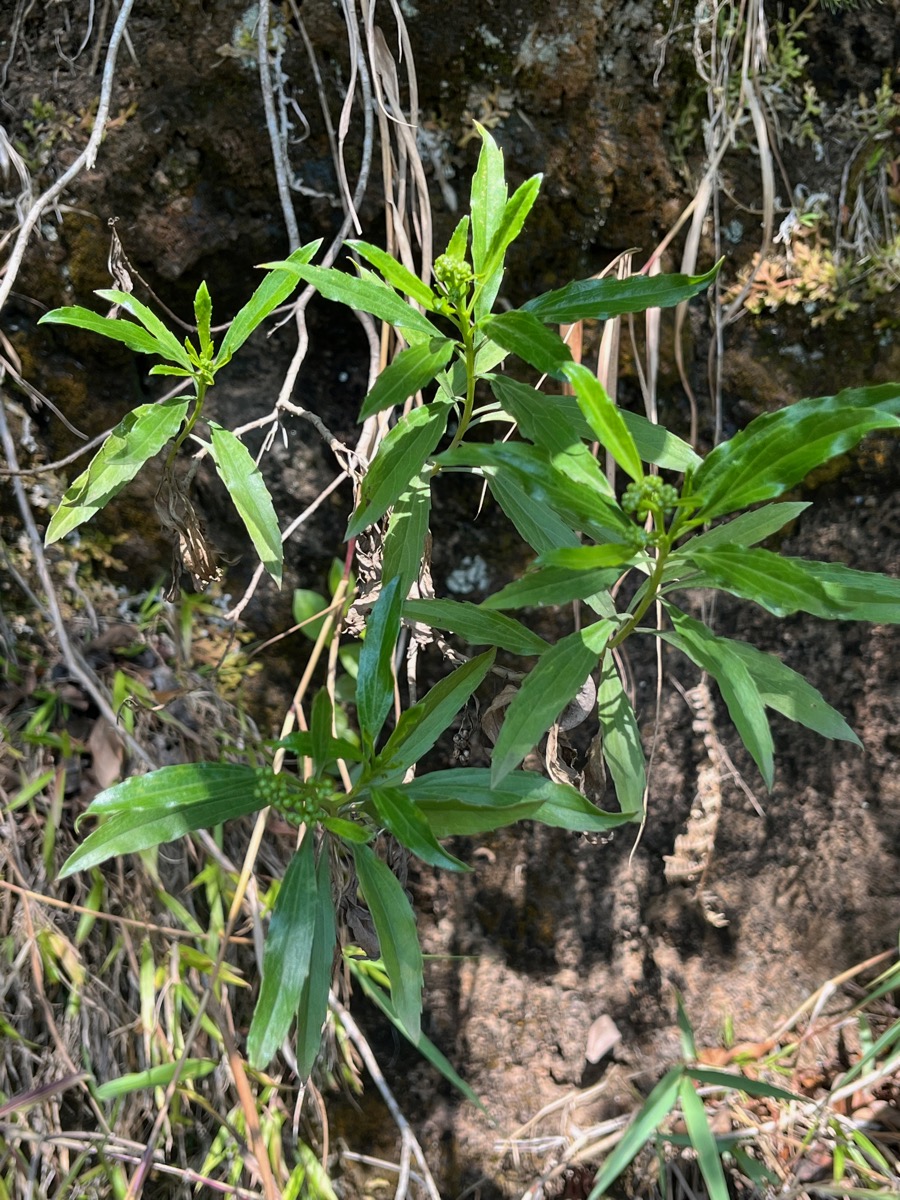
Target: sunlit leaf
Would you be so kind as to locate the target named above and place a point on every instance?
(313, 1006)
(147, 810)
(514, 215)
(154, 1077)
(739, 691)
(750, 527)
(135, 440)
(409, 372)
(400, 816)
(545, 692)
(487, 204)
(478, 625)
(552, 585)
(600, 299)
(375, 682)
(397, 936)
(521, 333)
(642, 1129)
(135, 337)
(536, 524)
(604, 419)
(250, 496)
(400, 458)
(172, 349)
(395, 273)
(703, 1141)
(405, 538)
(286, 958)
(275, 288)
(621, 739)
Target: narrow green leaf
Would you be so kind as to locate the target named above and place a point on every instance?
(172, 349)
(420, 725)
(309, 1180)
(425, 1047)
(135, 440)
(487, 205)
(203, 317)
(750, 527)
(368, 294)
(459, 242)
(521, 333)
(656, 445)
(313, 1007)
(146, 810)
(777, 450)
(301, 744)
(286, 958)
(703, 1141)
(552, 585)
(178, 372)
(790, 694)
(545, 692)
(600, 299)
(550, 479)
(400, 458)
(320, 729)
(375, 683)
(587, 558)
(536, 524)
(731, 1081)
(275, 288)
(246, 486)
(154, 1077)
(410, 371)
(395, 273)
(741, 695)
(514, 215)
(410, 827)
(604, 419)
(621, 739)
(133, 336)
(685, 1030)
(856, 595)
(645, 1125)
(548, 426)
(306, 604)
(397, 936)
(348, 831)
(476, 624)
(405, 538)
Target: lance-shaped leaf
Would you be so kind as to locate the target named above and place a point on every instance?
(301, 743)
(375, 682)
(545, 692)
(604, 419)
(203, 317)
(420, 726)
(539, 526)
(286, 958)
(787, 585)
(410, 371)
(600, 299)
(395, 273)
(250, 496)
(397, 936)
(458, 245)
(750, 527)
(642, 1129)
(153, 1077)
(552, 585)
(401, 817)
(550, 479)
(172, 349)
(778, 450)
(147, 810)
(313, 1007)
(475, 624)
(790, 694)
(135, 337)
(463, 802)
(487, 205)
(368, 294)
(586, 558)
(521, 333)
(405, 537)
(276, 286)
(703, 1141)
(515, 212)
(400, 458)
(621, 739)
(739, 691)
(135, 440)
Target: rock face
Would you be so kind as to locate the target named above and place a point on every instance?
(604, 99)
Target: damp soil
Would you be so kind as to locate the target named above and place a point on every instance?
(550, 930)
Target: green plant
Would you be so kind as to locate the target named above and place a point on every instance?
(660, 532)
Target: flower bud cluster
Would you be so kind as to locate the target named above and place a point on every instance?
(297, 803)
(454, 275)
(650, 495)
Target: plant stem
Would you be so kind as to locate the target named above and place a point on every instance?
(189, 424)
(468, 335)
(653, 585)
